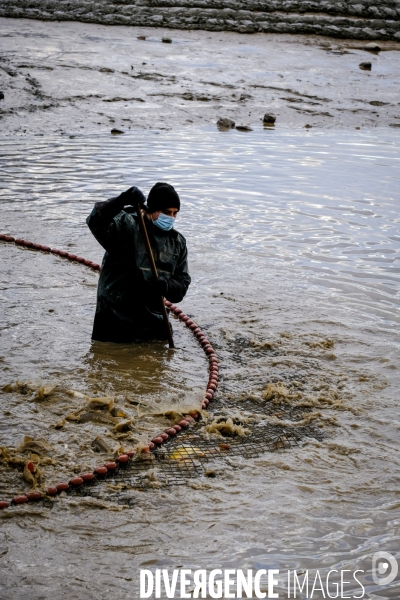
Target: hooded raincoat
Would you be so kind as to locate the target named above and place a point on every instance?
(128, 304)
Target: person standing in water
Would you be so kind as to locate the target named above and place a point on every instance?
(128, 296)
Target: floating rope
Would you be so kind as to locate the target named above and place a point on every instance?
(123, 460)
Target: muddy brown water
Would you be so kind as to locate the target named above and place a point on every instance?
(293, 248)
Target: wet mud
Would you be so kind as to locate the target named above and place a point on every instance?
(71, 78)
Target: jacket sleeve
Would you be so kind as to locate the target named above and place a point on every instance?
(102, 224)
(179, 282)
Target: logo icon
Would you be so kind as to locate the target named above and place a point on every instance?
(384, 568)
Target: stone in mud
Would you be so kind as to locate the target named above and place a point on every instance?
(141, 37)
(378, 103)
(365, 66)
(116, 131)
(1, 96)
(269, 119)
(224, 124)
(166, 40)
(106, 70)
(243, 128)
(372, 47)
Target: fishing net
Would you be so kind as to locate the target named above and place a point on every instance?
(191, 454)
(233, 427)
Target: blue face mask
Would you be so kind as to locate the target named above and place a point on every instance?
(164, 222)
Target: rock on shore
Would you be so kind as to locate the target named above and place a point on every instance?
(369, 19)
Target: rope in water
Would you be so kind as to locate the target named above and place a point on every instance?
(123, 459)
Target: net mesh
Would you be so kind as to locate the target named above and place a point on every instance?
(190, 454)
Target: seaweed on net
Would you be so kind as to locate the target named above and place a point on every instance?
(188, 455)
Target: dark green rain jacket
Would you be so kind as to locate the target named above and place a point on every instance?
(128, 306)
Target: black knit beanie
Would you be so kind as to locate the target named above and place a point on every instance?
(162, 196)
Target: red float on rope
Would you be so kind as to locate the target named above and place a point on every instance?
(158, 440)
(87, 477)
(110, 466)
(76, 481)
(62, 487)
(101, 471)
(20, 500)
(34, 496)
(122, 459)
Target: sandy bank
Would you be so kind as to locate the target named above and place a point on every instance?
(72, 76)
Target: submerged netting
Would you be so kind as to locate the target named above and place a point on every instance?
(193, 452)
(242, 428)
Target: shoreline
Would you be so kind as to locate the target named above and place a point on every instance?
(73, 76)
